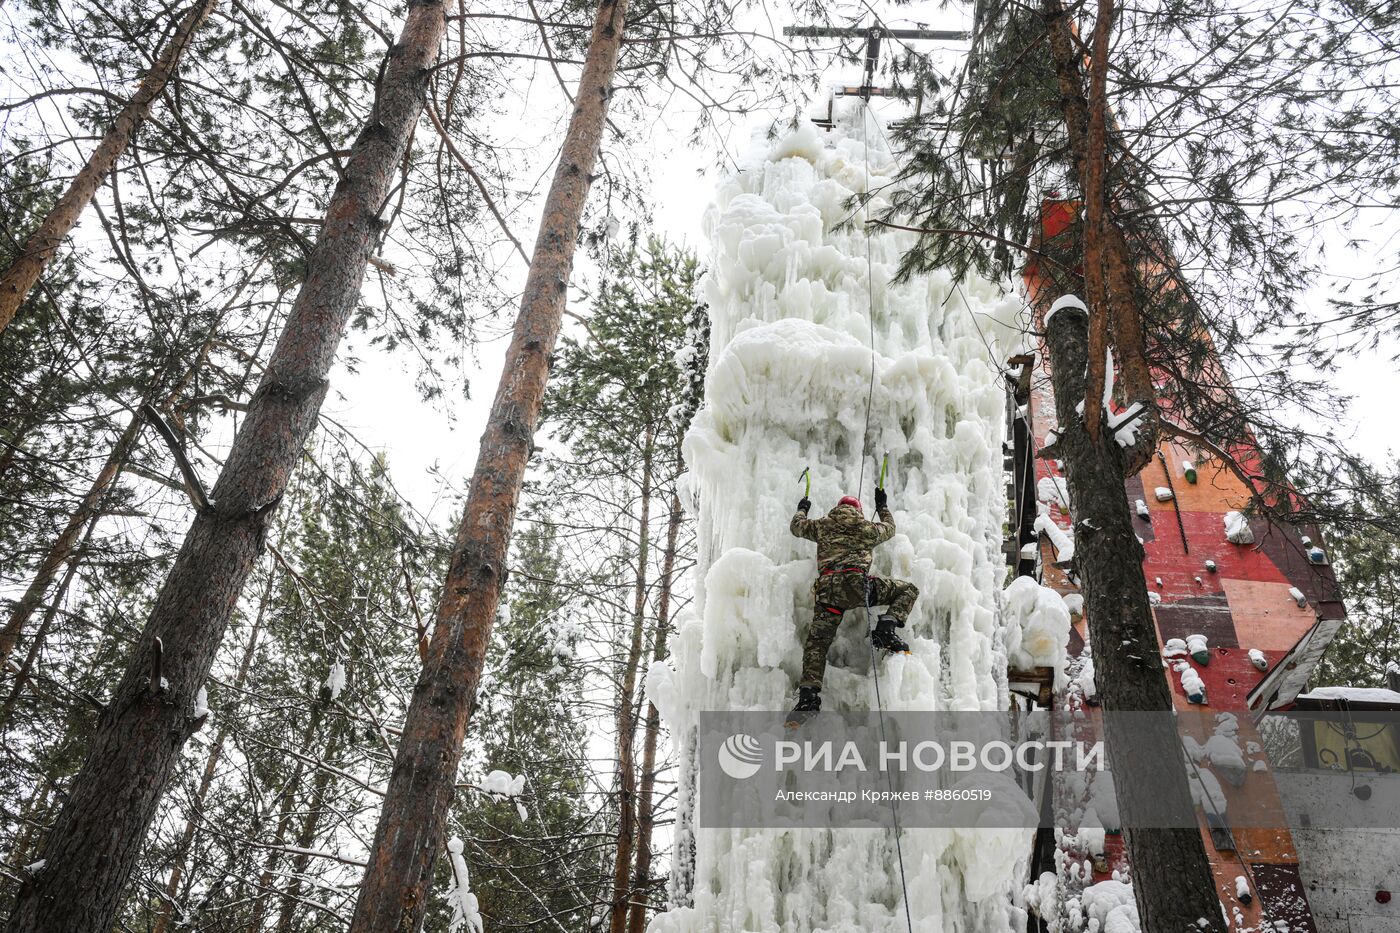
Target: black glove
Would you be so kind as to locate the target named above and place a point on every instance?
(804, 504)
(881, 500)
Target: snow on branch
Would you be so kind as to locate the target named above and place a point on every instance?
(465, 911)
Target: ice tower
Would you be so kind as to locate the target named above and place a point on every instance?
(793, 288)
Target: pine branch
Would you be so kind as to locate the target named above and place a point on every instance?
(193, 487)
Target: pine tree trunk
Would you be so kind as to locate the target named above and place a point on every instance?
(393, 895)
(646, 816)
(33, 810)
(30, 413)
(268, 877)
(87, 513)
(62, 547)
(1108, 259)
(1172, 879)
(36, 644)
(10, 445)
(1094, 186)
(98, 836)
(43, 243)
(626, 724)
(211, 766)
(306, 835)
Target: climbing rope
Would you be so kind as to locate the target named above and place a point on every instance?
(865, 117)
(889, 781)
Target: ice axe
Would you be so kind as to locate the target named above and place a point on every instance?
(884, 465)
(806, 475)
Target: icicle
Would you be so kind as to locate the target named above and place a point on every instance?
(1037, 625)
(789, 371)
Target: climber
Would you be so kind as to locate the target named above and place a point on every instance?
(844, 542)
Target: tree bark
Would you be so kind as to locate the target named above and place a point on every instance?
(1095, 167)
(43, 243)
(1172, 879)
(393, 895)
(626, 724)
(211, 766)
(98, 836)
(1105, 245)
(646, 814)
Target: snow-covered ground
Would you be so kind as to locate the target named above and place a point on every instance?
(790, 296)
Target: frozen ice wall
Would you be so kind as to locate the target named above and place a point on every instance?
(789, 292)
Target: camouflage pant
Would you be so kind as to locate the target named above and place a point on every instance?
(835, 594)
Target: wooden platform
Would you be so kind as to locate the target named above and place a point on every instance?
(1035, 684)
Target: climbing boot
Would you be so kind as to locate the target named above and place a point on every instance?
(885, 639)
(809, 703)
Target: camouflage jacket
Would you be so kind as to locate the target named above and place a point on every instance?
(844, 538)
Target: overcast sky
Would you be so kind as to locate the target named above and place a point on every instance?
(380, 403)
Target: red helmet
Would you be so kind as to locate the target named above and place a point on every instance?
(850, 500)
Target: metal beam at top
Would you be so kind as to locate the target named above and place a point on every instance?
(836, 32)
(866, 90)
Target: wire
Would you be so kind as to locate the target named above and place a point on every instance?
(1026, 311)
(865, 117)
(1220, 818)
(889, 779)
(1176, 503)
